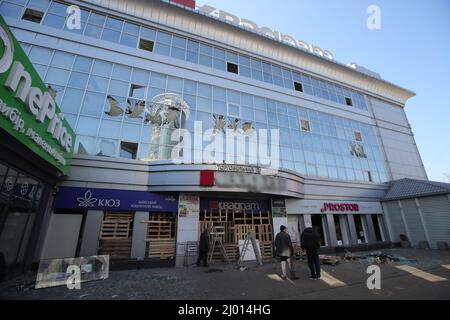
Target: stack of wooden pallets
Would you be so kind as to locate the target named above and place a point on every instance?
(115, 235)
(160, 236)
(236, 226)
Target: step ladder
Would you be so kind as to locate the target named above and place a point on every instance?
(217, 233)
(251, 236)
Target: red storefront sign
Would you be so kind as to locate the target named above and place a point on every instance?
(340, 207)
(186, 3)
(207, 178)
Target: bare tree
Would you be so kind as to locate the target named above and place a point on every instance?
(447, 175)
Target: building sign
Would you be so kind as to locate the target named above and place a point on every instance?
(278, 207)
(340, 207)
(297, 206)
(188, 205)
(28, 111)
(114, 200)
(238, 168)
(186, 3)
(247, 206)
(267, 32)
(250, 182)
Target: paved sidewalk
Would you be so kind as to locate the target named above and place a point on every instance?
(224, 281)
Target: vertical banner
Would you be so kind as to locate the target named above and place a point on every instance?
(278, 207)
(188, 205)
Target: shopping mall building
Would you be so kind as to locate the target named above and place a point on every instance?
(131, 73)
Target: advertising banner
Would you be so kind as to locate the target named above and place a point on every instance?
(114, 200)
(28, 111)
(188, 205)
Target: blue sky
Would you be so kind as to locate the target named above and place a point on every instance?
(412, 49)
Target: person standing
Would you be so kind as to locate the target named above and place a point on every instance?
(203, 248)
(310, 241)
(285, 250)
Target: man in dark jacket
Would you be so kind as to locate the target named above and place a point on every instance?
(310, 241)
(284, 250)
(203, 248)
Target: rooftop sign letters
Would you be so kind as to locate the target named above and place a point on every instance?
(265, 31)
(28, 111)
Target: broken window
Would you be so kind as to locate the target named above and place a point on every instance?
(348, 101)
(298, 86)
(305, 125)
(146, 45)
(128, 150)
(33, 15)
(232, 67)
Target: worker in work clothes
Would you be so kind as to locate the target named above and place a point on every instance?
(285, 250)
(310, 241)
(203, 248)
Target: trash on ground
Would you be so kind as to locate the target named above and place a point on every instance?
(378, 257)
(331, 260)
(213, 270)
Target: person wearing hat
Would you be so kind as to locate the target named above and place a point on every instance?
(285, 250)
(310, 241)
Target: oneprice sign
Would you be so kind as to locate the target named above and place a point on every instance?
(28, 111)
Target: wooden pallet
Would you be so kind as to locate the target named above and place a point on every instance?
(161, 248)
(115, 229)
(231, 251)
(118, 216)
(266, 249)
(159, 229)
(115, 248)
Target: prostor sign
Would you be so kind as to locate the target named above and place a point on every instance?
(27, 110)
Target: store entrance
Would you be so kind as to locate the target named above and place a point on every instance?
(237, 217)
(20, 200)
(316, 221)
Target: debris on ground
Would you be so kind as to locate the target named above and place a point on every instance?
(213, 270)
(331, 260)
(350, 256)
(379, 257)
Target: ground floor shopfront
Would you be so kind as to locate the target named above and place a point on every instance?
(163, 228)
(341, 224)
(154, 212)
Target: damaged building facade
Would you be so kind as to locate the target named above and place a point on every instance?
(135, 71)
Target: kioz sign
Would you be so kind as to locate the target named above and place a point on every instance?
(265, 31)
(28, 111)
(114, 200)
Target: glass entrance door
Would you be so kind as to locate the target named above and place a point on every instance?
(20, 197)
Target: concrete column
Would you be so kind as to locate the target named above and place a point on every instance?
(138, 244)
(332, 239)
(402, 214)
(387, 222)
(307, 219)
(187, 231)
(91, 231)
(422, 220)
(370, 228)
(346, 239)
(382, 225)
(352, 229)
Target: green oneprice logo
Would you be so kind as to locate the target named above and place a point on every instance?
(28, 111)
(6, 50)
